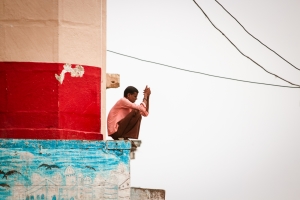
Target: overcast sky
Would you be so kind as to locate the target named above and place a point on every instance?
(210, 138)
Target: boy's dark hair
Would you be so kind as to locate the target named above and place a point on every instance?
(131, 90)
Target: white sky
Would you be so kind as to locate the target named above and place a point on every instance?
(210, 138)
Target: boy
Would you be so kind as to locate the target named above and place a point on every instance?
(125, 117)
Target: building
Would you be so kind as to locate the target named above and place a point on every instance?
(52, 104)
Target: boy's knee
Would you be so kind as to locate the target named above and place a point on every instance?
(137, 113)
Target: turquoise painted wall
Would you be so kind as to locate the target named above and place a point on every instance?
(64, 169)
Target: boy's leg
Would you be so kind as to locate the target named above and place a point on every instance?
(129, 127)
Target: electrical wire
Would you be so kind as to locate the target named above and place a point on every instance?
(239, 49)
(233, 79)
(255, 37)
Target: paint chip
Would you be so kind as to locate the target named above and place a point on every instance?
(77, 71)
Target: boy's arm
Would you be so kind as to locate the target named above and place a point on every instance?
(146, 99)
(148, 104)
(125, 103)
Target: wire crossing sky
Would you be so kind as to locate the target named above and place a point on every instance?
(199, 72)
(240, 50)
(255, 37)
(218, 138)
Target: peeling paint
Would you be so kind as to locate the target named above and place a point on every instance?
(149, 194)
(64, 169)
(77, 71)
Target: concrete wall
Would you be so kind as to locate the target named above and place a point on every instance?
(59, 169)
(34, 105)
(56, 32)
(147, 194)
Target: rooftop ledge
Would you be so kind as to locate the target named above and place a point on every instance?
(133, 149)
(70, 144)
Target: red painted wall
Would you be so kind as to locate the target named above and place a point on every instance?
(33, 104)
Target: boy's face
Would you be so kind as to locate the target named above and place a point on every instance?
(132, 97)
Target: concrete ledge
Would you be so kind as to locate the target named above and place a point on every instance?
(134, 149)
(64, 169)
(147, 194)
(112, 81)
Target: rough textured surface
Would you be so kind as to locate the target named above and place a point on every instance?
(53, 31)
(69, 31)
(112, 81)
(29, 10)
(147, 194)
(30, 30)
(58, 169)
(35, 105)
(134, 149)
(77, 71)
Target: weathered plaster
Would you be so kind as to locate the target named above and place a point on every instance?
(69, 31)
(77, 71)
(59, 169)
(79, 45)
(29, 30)
(145, 193)
(2, 41)
(1, 10)
(30, 10)
(112, 81)
(72, 11)
(29, 43)
(34, 105)
(54, 31)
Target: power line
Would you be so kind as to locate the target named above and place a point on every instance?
(198, 72)
(240, 50)
(255, 37)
